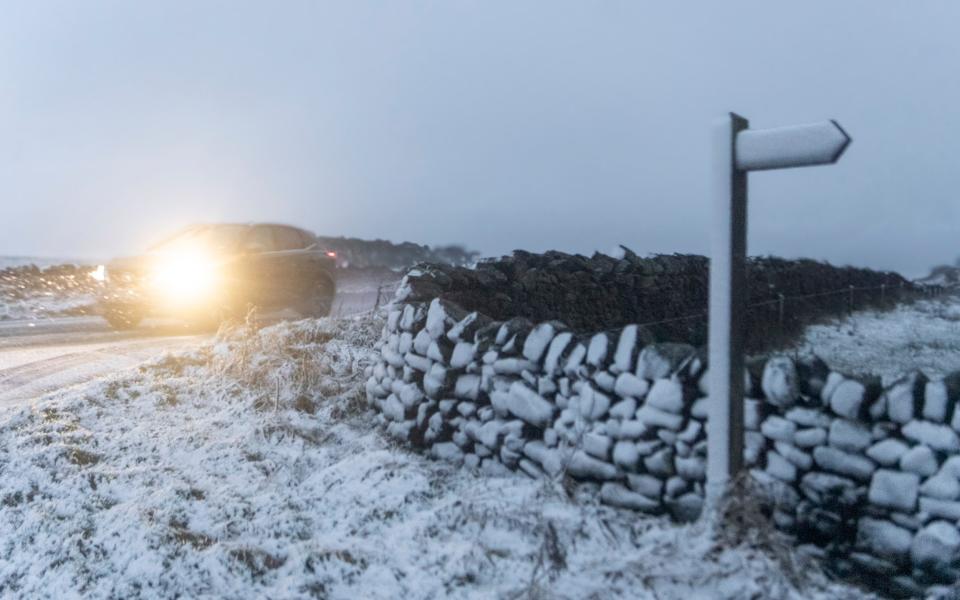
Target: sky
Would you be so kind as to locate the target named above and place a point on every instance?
(499, 125)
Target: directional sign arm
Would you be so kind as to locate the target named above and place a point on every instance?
(796, 146)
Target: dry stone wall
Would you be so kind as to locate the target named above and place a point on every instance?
(864, 474)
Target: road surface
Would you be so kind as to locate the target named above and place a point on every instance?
(41, 356)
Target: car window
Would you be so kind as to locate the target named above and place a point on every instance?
(260, 239)
(287, 238)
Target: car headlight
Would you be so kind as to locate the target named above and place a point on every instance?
(100, 273)
(184, 276)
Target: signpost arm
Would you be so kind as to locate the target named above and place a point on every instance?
(728, 269)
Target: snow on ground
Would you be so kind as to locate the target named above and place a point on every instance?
(251, 467)
(924, 335)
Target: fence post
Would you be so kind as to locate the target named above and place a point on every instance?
(851, 298)
(883, 293)
(781, 298)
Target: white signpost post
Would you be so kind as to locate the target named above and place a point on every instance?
(737, 151)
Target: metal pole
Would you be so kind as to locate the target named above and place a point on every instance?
(728, 269)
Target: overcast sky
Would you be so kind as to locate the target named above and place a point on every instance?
(500, 125)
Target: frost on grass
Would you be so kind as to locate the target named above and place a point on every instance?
(922, 336)
(251, 468)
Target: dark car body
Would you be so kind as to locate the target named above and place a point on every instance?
(269, 266)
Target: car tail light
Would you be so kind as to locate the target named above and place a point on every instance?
(331, 254)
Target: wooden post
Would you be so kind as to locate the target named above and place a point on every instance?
(728, 278)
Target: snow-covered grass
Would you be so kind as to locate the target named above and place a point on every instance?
(251, 467)
(924, 335)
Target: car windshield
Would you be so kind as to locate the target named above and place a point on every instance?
(219, 238)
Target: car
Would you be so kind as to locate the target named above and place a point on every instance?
(205, 272)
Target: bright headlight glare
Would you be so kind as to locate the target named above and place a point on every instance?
(100, 273)
(184, 276)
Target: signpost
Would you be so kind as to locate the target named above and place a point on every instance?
(738, 150)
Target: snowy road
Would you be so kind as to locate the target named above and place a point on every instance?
(40, 356)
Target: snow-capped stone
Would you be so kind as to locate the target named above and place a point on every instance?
(467, 409)
(623, 356)
(463, 354)
(421, 342)
(625, 454)
(700, 409)
(604, 380)
(654, 417)
(649, 486)
(778, 428)
(436, 318)
(692, 468)
(447, 451)
(597, 351)
(537, 341)
(883, 538)
(657, 361)
(667, 395)
(936, 546)
(575, 359)
(780, 467)
(691, 432)
(849, 435)
(548, 458)
(894, 489)
(793, 454)
(648, 447)
(809, 417)
(629, 385)
(552, 361)
(546, 386)
(847, 398)
(952, 465)
(844, 463)
(467, 387)
(597, 445)
(887, 452)
(808, 438)
(901, 401)
(833, 381)
(616, 494)
(938, 437)
(943, 486)
(660, 462)
(779, 381)
(583, 466)
(919, 460)
(944, 509)
(753, 445)
(820, 486)
(393, 320)
(415, 361)
(675, 486)
(935, 401)
(405, 344)
(687, 508)
(593, 404)
(529, 405)
(392, 408)
(512, 366)
(631, 429)
(624, 409)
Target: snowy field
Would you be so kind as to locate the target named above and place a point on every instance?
(250, 467)
(922, 336)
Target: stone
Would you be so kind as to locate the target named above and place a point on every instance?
(593, 405)
(623, 355)
(844, 463)
(660, 463)
(654, 417)
(919, 460)
(894, 489)
(778, 428)
(808, 438)
(604, 380)
(666, 395)
(944, 509)
(753, 445)
(691, 432)
(887, 452)
(692, 469)
(467, 387)
(625, 454)
(821, 486)
(526, 404)
(752, 413)
(463, 354)
(552, 361)
(884, 539)
(537, 342)
(943, 486)
(649, 486)
(597, 445)
(548, 458)
(675, 486)
(847, 398)
(447, 451)
(779, 382)
(902, 398)
(849, 435)
(809, 417)
(686, 508)
(631, 430)
(657, 361)
(832, 382)
(583, 466)
(700, 409)
(628, 385)
(797, 457)
(938, 437)
(597, 350)
(936, 546)
(935, 400)
(616, 494)
(780, 467)
(625, 409)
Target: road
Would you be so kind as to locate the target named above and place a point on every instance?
(41, 356)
